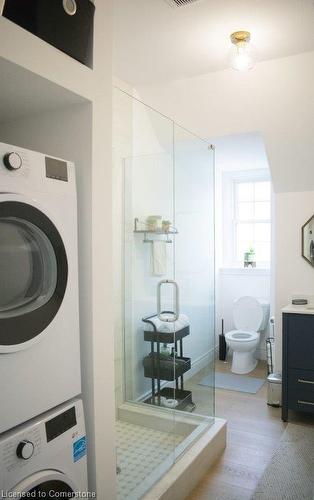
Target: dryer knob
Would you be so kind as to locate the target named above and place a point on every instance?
(25, 450)
(12, 161)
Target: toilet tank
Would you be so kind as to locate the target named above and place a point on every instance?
(250, 313)
(265, 306)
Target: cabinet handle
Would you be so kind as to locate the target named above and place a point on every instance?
(305, 403)
(302, 381)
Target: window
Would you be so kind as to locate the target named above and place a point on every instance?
(252, 220)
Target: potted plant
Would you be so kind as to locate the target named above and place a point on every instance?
(249, 258)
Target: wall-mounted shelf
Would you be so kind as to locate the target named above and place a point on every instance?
(45, 61)
(159, 232)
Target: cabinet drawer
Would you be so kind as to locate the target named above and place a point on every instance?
(300, 341)
(301, 390)
(301, 383)
(301, 404)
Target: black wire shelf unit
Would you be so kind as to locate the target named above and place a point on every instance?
(160, 368)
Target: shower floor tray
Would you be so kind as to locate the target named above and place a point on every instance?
(141, 451)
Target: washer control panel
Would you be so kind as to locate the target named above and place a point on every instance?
(25, 449)
(60, 424)
(53, 441)
(17, 452)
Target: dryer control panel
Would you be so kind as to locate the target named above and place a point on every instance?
(22, 170)
(13, 161)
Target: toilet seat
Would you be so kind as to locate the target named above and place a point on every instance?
(248, 314)
(242, 336)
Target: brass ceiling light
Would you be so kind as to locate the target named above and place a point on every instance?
(241, 56)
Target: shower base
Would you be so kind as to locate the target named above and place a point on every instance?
(151, 442)
(140, 453)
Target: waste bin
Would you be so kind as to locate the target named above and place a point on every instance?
(274, 382)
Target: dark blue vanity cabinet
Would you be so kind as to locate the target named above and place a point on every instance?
(298, 363)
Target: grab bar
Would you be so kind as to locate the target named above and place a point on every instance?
(176, 308)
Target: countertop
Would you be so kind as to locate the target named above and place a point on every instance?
(292, 309)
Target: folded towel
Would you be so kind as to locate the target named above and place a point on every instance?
(170, 327)
(159, 257)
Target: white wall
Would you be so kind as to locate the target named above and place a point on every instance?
(238, 152)
(276, 98)
(82, 134)
(104, 443)
(294, 276)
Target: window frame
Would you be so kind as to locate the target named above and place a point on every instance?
(230, 209)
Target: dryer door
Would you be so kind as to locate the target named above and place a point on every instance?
(46, 484)
(33, 274)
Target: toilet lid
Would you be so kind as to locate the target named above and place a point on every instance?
(247, 314)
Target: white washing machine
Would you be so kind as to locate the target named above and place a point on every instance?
(46, 458)
(39, 313)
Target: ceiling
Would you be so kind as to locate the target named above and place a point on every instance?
(240, 152)
(157, 43)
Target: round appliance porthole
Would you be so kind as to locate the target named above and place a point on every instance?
(70, 7)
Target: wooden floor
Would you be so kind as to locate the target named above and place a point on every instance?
(254, 430)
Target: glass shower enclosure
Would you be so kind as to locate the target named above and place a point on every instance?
(165, 304)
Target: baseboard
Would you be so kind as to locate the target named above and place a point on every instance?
(199, 363)
(261, 354)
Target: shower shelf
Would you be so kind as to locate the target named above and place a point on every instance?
(158, 232)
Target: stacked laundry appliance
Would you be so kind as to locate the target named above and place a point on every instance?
(42, 430)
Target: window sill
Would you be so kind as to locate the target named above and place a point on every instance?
(245, 271)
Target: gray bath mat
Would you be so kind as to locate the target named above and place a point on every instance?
(289, 476)
(233, 382)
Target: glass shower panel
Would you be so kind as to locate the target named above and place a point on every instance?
(149, 248)
(195, 274)
(164, 244)
(146, 418)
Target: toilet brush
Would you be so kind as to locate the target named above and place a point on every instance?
(222, 343)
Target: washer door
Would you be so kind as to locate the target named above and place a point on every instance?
(33, 274)
(46, 484)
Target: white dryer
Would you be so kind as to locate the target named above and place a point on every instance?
(46, 458)
(39, 313)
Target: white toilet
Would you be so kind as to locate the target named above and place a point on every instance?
(250, 317)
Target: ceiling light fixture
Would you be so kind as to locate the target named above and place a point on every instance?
(241, 55)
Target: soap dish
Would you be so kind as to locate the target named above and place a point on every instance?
(299, 302)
